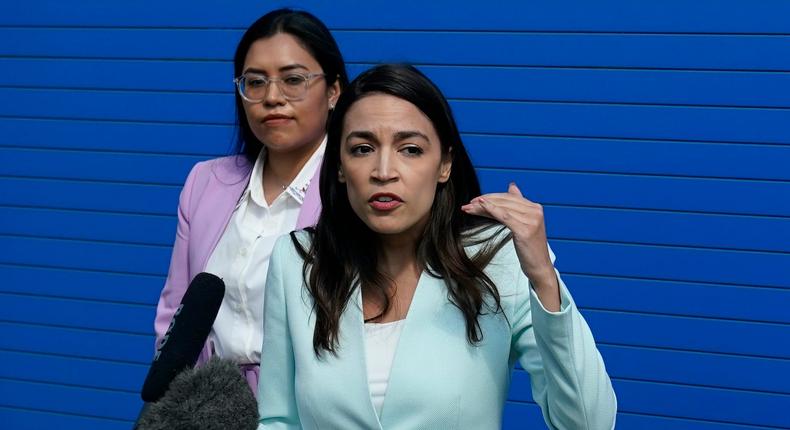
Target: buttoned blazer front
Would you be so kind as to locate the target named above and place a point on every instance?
(438, 380)
(205, 206)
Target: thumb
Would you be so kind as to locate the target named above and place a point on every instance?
(513, 189)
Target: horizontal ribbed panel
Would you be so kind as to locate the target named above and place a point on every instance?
(655, 134)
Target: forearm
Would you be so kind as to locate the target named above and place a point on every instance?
(547, 288)
(578, 391)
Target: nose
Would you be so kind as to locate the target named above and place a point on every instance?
(273, 96)
(385, 170)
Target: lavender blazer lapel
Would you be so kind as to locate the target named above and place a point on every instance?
(216, 188)
(311, 206)
(219, 198)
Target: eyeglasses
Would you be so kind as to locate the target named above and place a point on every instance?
(253, 86)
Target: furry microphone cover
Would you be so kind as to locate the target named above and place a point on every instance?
(214, 396)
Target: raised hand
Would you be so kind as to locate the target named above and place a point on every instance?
(525, 220)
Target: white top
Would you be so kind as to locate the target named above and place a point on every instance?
(241, 259)
(381, 341)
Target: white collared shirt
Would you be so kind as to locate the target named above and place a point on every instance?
(241, 259)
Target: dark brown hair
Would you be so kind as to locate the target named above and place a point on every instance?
(343, 249)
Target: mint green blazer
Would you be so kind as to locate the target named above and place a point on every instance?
(438, 380)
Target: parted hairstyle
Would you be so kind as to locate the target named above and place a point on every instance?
(312, 35)
(342, 254)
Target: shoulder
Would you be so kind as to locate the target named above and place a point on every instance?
(498, 239)
(494, 247)
(495, 240)
(503, 267)
(289, 249)
(228, 170)
(287, 243)
(286, 265)
(209, 181)
(217, 175)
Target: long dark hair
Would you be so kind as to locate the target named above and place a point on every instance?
(314, 37)
(344, 249)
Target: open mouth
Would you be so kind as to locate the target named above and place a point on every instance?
(384, 201)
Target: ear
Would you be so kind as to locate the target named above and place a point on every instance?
(333, 93)
(446, 167)
(340, 176)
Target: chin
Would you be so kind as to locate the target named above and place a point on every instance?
(390, 227)
(276, 138)
(386, 227)
(389, 231)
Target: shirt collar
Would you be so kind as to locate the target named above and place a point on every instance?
(298, 187)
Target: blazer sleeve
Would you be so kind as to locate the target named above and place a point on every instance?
(178, 274)
(569, 379)
(276, 391)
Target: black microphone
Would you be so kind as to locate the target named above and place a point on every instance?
(188, 331)
(212, 397)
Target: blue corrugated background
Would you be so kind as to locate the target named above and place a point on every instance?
(656, 134)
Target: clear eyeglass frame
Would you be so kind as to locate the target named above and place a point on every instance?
(289, 91)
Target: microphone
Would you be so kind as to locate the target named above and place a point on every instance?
(212, 397)
(188, 331)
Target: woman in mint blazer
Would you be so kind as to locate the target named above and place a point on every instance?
(412, 299)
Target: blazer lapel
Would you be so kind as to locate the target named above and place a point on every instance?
(232, 176)
(426, 306)
(311, 206)
(415, 337)
(352, 360)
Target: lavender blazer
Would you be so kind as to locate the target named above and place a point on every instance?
(205, 206)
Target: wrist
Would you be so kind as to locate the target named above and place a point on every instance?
(543, 279)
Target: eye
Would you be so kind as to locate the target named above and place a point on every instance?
(294, 80)
(412, 151)
(255, 81)
(361, 150)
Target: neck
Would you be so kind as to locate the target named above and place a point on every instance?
(398, 252)
(397, 259)
(282, 167)
(397, 255)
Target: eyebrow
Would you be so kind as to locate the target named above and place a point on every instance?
(287, 68)
(366, 135)
(408, 134)
(398, 136)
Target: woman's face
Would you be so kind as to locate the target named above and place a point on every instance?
(391, 162)
(288, 125)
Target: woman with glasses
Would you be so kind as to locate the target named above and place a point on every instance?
(289, 73)
(410, 301)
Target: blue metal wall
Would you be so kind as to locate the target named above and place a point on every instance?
(656, 133)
